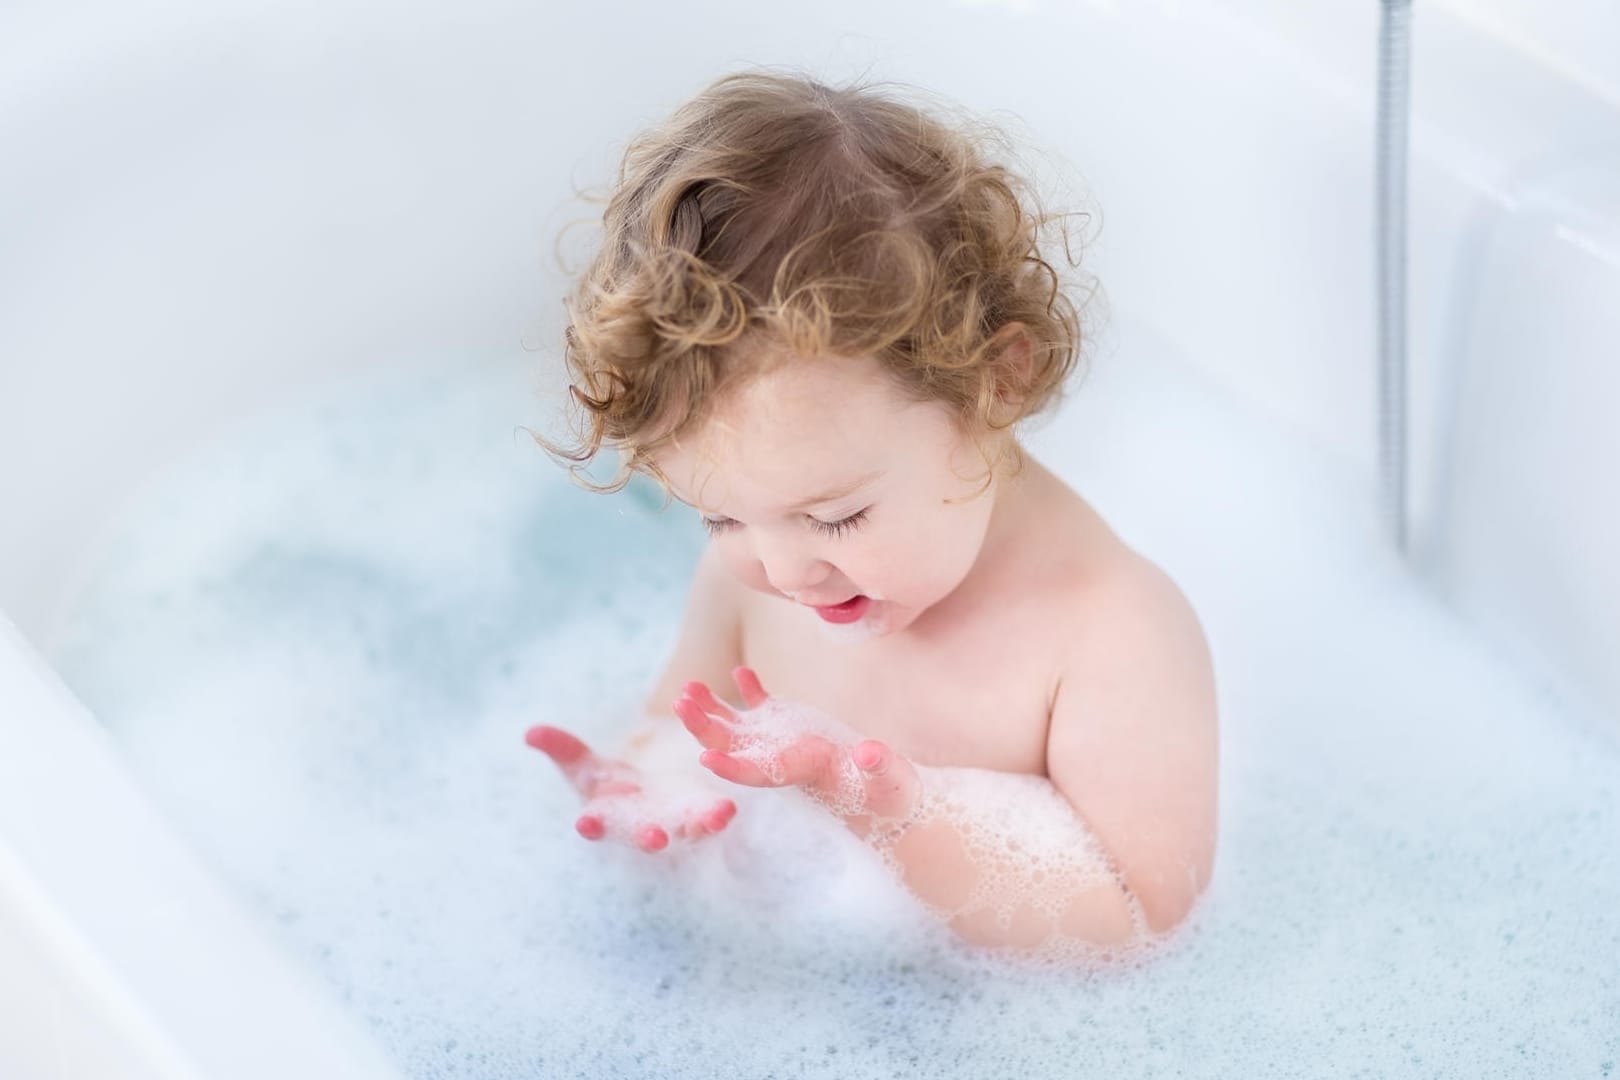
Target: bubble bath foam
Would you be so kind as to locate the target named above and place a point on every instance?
(319, 643)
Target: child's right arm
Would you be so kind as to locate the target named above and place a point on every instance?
(632, 798)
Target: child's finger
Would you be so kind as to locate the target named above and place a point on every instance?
(891, 780)
(590, 827)
(704, 728)
(735, 770)
(651, 838)
(753, 694)
(569, 754)
(870, 755)
(708, 819)
(720, 815)
(700, 693)
(557, 744)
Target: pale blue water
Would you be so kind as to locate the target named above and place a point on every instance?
(321, 640)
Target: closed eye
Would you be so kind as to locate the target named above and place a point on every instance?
(839, 528)
(716, 526)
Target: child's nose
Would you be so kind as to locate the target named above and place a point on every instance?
(792, 569)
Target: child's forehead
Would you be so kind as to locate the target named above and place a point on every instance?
(814, 399)
(787, 386)
(773, 466)
(799, 429)
(772, 455)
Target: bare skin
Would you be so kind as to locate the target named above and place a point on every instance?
(1013, 631)
(601, 782)
(814, 763)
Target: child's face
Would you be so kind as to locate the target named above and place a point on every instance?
(821, 482)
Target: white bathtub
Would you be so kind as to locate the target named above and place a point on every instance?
(202, 213)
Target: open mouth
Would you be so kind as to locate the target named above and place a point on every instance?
(846, 612)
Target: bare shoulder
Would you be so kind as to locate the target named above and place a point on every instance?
(709, 645)
(1133, 736)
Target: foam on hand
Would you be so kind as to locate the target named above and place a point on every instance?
(1037, 862)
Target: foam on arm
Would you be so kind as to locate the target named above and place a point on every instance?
(1005, 861)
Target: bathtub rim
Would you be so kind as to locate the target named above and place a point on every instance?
(140, 932)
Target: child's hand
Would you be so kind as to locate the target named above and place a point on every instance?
(853, 777)
(626, 804)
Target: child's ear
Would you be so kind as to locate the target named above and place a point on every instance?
(1012, 362)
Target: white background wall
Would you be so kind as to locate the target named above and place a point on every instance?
(1578, 38)
(207, 207)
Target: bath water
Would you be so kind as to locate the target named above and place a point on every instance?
(319, 643)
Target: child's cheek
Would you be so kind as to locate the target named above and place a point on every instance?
(747, 569)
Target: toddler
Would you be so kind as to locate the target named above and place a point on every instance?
(817, 316)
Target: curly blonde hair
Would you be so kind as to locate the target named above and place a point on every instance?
(773, 216)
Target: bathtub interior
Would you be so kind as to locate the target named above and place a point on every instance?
(304, 199)
(125, 955)
(355, 649)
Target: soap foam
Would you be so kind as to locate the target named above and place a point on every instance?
(1035, 854)
(1031, 848)
(319, 644)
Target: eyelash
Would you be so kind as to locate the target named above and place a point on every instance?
(828, 528)
(839, 528)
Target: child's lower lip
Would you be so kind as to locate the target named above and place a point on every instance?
(848, 611)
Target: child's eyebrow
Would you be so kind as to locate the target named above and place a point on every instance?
(815, 500)
(839, 492)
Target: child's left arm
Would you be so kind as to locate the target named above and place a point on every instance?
(1001, 858)
(1118, 840)
(1133, 741)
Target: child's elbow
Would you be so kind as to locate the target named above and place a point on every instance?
(1167, 894)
